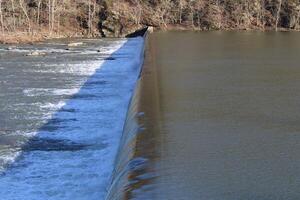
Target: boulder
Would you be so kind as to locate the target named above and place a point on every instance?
(75, 44)
(10, 48)
(36, 53)
(150, 29)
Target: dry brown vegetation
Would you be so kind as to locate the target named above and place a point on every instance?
(38, 19)
(32, 20)
(212, 14)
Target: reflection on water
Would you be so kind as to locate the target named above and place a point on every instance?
(226, 120)
(133, 173)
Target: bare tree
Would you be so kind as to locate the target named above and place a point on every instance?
(120, 16)
(297, 18)
(138, 12)
(38, 11)
(180, 11)
(89, 18)
(49, 16)
(1, 18)
(53, 14)
(21, 2)
(262, 14)
(13, 14)
(60, 12)
(278, 14)
(93, 15)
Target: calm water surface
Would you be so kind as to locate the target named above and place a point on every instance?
(227, 120)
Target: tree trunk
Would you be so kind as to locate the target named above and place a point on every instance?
(49, 16)
(139, 13)
(13, 14)
(89, 18)
(297, 20)
(180, 11)
(38, 12)
(26, 14)
(1, 18)
(93, 15)
(192, 15)
(278, 14)
(263, 14)
(52, 14)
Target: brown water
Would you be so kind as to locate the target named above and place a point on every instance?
(221, 116)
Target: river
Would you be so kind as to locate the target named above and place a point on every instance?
(214, 116)
(62, 115)
(219, 117)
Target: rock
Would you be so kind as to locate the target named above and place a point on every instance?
(9, 48)
(36, 53)
(138, 33)
(109, 58)
(75, 44)
(150, 29)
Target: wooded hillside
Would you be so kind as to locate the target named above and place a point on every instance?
(212, 14)
(50, 18)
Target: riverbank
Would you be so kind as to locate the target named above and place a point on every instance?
(30, 38)
(117, 18)
(26, 38)
(20, 38)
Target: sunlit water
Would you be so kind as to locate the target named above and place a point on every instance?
(62, 116)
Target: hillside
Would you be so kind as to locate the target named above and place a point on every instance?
(26, 20)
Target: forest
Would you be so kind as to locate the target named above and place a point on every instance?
(39, 19)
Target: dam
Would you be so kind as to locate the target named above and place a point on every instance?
(214, 117)
(174, 115)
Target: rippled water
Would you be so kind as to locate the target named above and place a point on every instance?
(62, 116)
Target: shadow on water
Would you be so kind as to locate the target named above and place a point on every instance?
(50, 137)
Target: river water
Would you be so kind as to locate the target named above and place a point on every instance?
(62, 115)
(214, 116)
(220, 117)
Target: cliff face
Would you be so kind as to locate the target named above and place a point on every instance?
(51, 18)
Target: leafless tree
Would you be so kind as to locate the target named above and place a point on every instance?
(13, 14)
(278, 14)
(22, 5)
(118, 16)
(1, 18)
(38, 12)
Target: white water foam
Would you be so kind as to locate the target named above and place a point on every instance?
(87, 128)
(46, 91)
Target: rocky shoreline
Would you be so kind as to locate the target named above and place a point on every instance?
(28, 38)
